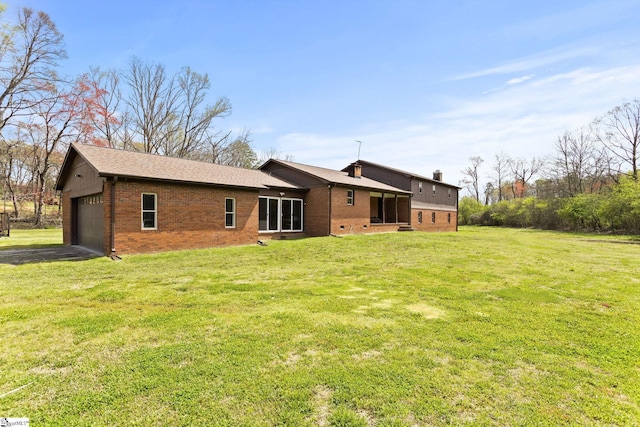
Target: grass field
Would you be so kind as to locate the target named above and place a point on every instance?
(481, 327)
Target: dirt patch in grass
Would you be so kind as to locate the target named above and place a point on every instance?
(321, 399)
(371, 354)
(427, 311)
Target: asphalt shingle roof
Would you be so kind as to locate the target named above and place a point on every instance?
(132, 164)
(340, 177)
(406, 173)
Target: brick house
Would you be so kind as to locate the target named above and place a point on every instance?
(117, 201)
(344, 202)
(434, 203)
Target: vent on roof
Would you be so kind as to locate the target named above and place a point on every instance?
(437, 175)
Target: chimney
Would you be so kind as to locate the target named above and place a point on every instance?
(437, 175)
(355, 170)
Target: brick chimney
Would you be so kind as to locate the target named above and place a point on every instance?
(355, 170)
(437, 175)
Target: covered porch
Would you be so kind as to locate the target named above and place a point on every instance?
(389, 209)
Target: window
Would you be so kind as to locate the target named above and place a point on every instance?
(433, 217)
(449, 193)
(230, 213)
(268, 214)
(419, 217)
(350, 197)
(433, 190)
(449, 218)
(420, 187)
(149, 211)
(279, 214)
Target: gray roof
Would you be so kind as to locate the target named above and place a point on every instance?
(338, 177)
(133, 164)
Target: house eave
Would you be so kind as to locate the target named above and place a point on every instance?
(177, 181)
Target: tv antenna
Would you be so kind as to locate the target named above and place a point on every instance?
(359, 145)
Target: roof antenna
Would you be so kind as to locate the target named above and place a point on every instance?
(359, 145)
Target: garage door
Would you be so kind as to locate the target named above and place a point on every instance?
(90, 222)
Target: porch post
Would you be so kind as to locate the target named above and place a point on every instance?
(396, 200)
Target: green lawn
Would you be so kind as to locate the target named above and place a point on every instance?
(33, 238)
(481, 327)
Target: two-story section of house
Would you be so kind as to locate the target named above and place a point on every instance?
(434, 203)
(344, 202)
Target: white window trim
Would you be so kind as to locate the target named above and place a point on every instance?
(232, 212)
(351, 200)
(279, 229)
(155, 211)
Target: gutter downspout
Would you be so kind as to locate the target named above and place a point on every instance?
(113, 219)
(329, 224)
(457, 217)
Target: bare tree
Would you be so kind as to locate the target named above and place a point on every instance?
(272, 153)
(169, 114)
(471, 176)
(523, 171)
(108, 121)
(579, 164)
(16, 172)
(55, 121)
(193, 122)
(29, 54)
(152, 102)
(619, 132)
(500, 170)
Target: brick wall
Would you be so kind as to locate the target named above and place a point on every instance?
(188, 217)
(441, 224)
(350, 219)
(316, 212)
(383, 228)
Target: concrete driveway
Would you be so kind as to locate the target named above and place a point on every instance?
(58, 253)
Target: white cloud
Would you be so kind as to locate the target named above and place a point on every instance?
(532, 62)
(522, 79)
(521, 119)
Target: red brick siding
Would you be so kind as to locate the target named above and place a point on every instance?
(350, 219)
(316, 212)
(441, 223)
(383, 228)
(188, 217)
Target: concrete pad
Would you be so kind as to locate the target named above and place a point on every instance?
(29, 256)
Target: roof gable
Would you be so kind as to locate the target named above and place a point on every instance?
(133, 164)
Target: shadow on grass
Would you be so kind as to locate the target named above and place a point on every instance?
(29, 246)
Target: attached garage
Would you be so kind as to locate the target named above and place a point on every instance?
(89, 222)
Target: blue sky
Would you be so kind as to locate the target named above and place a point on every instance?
(424, 84)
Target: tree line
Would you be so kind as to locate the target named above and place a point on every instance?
(590, 181)
(142, 108)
